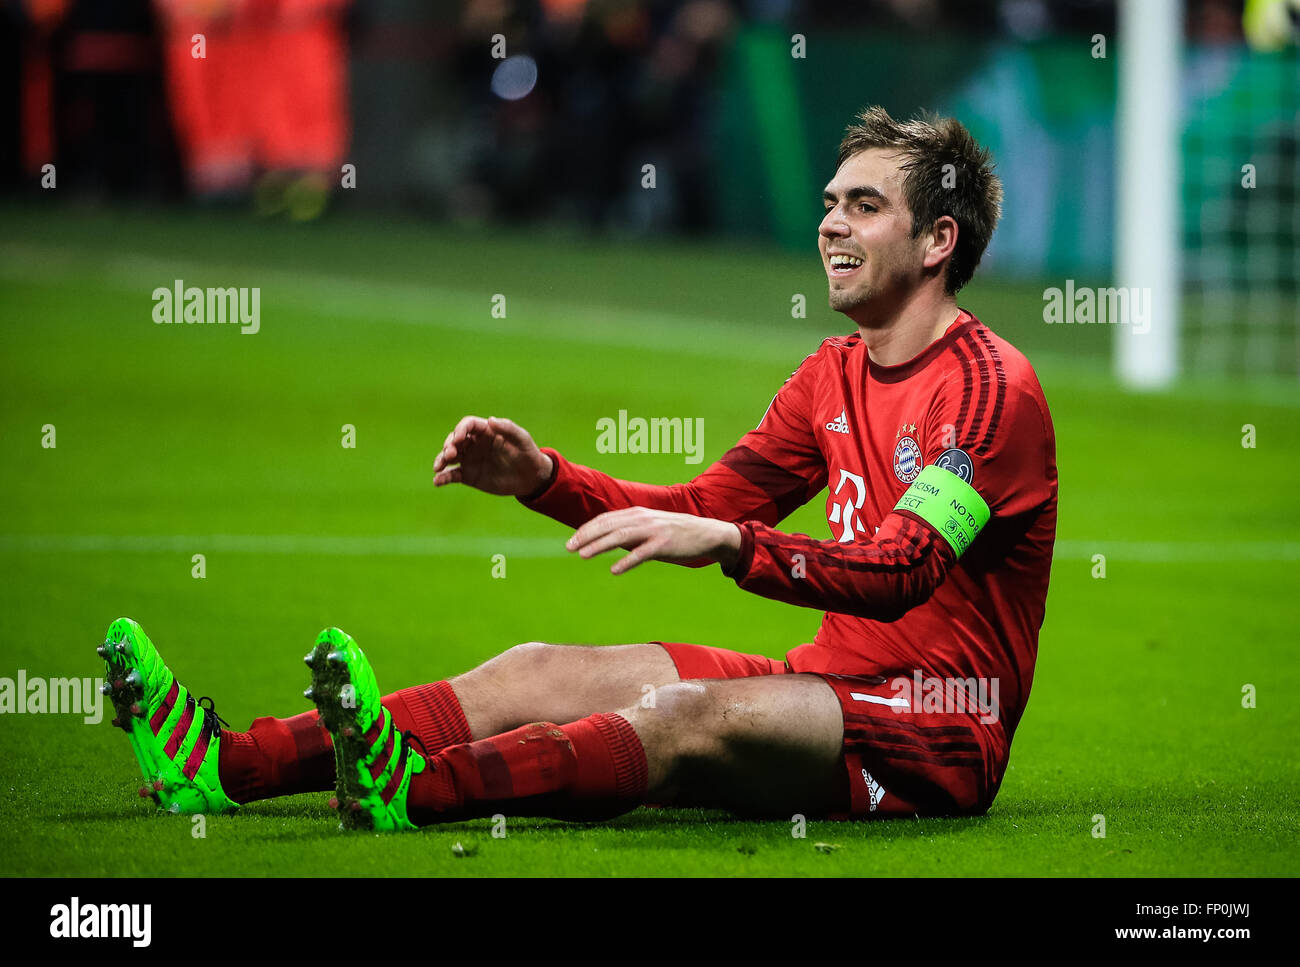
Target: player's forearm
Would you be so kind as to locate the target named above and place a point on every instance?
(881, 579)
(575, 494)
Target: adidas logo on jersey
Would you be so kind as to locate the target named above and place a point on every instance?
(839, 424)
(874, 789)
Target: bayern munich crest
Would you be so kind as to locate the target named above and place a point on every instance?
(907, 459)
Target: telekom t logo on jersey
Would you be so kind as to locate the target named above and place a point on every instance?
(846, 511)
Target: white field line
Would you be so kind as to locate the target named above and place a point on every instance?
(1146, 552)
(303, 544)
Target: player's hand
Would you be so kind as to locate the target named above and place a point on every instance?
(494, 455)
(656, 535)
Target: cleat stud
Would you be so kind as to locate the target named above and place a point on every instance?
(124, 648)
(133, 678)
(355, 806)
(307, 694)
(336, 657)
(175, 808)
(106, 689)
(102, 651)
(334, 802)
(349, 731)
(309, 658)
(117, 721)
(119, 684)
(157, 785)
(144, 793)
(136, 710)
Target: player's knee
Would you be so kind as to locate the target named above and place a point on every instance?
(528, 650)
(685, 715)
(529, 656)
(543, 665)
(523, 662)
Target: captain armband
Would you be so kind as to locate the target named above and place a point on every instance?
(948, 504)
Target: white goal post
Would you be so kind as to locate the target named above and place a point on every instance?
(1148, 230)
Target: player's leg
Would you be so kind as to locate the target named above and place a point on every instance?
(287, 756)
(769, 745)
(278, 757)
(763, 746)
(535, 681)
(377, 762)
(830, 745)
(766, 745)
(590, 767)
(538, 682)
(530, 682)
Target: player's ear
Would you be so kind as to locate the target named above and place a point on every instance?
(942, 240)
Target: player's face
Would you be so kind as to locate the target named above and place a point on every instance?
(867, 250)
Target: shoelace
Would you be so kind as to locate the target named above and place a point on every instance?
(211, 708)
(410, 738)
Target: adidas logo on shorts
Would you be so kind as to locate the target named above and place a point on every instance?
(839, 424)
(874, 790)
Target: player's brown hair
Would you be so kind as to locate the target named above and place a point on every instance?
(929, 144)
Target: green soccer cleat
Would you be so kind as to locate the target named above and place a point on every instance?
(373, 762)
(175, 738)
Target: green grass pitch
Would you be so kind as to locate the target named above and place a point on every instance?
(181, 440)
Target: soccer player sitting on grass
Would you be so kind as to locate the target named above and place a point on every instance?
(934, 439)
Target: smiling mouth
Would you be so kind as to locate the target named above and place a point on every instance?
(841, 266)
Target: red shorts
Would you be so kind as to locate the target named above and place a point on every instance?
(901, 760)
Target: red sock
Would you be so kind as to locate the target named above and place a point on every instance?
(594, 768)
(282, 757)
(276, 757)
(432, 712)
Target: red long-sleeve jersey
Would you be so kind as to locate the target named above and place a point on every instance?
(897, 598)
